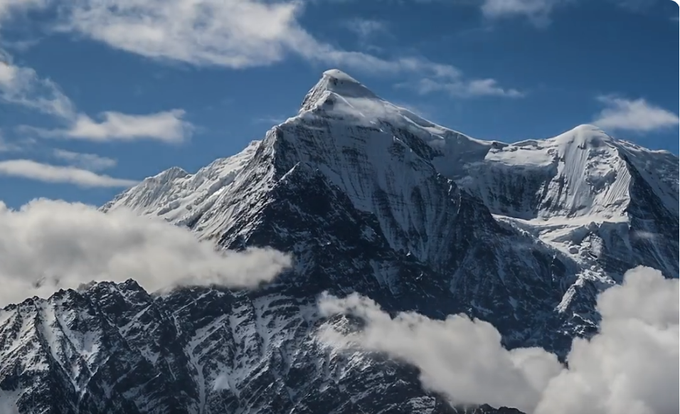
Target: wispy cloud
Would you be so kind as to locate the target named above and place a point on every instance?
(17, 6)
(9, 146)
(167, 126)
(269, 120)
(365, 28)
(636, 5)
(230, 33)
(23, 86)
(633, 115)
(464, 360)
(37, 171)
(458, 86)
(227, 33)
(91, 162)
(538, 11)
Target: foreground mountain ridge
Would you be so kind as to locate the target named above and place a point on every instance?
(368, 197)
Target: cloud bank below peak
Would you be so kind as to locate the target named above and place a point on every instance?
(50, 245)
(629, 366)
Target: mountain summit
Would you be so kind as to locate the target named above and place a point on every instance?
(368, 197)
(338, 83)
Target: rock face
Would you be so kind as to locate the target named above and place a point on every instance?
(368, 197)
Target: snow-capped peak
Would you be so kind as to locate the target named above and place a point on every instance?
(339, 75)
(334, 81)
(585, 136)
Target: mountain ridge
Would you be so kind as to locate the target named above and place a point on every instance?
(369, 198)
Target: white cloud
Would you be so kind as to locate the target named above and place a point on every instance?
(230, 33)
(537, 11)
(459, 357)
(633, 115)
(365, 28)
(233, 34)
(59, 174)
(22, 86)
(459, 87)
(49, 245)
(12, 6)
(629, 366)
(8, 146)
(167, 126)
(91, 162)
(636, 5)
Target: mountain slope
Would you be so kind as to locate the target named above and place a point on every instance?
(371, 198)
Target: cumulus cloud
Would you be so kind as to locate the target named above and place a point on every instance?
(629, 366)
(47, 245)
(633, 115)
(37, 171)
(462, 358)
(91, 162)
(167, 126)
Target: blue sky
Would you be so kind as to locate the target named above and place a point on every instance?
(95, 97)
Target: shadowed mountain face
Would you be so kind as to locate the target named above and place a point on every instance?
(371, 198)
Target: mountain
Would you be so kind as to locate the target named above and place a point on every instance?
(368, 197)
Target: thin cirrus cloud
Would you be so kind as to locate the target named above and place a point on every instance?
(90, 162)
(8, 146)
(22, 86)
(628, 366)
(37, 171)
(365, 28)
(637, 115)
(9, 6)
(538, 11)
(456, 87)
